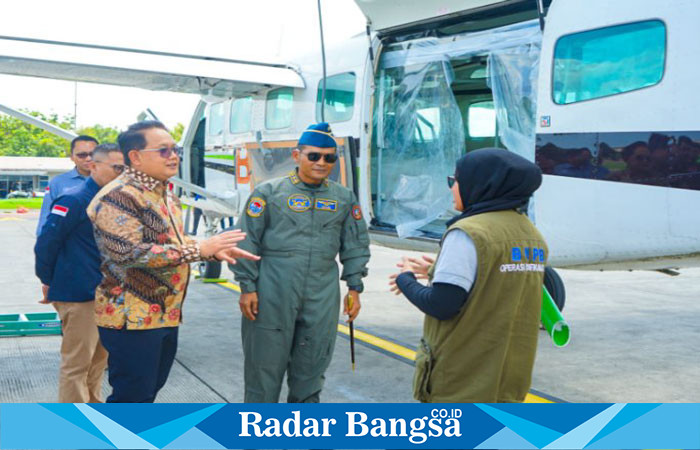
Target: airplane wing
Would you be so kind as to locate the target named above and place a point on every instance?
(152, 70)
(51, 128)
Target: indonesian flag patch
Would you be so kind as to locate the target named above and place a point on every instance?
(60, 210)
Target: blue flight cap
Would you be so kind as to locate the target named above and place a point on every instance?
(318, 135)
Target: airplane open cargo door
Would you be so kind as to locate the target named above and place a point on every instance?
(143, 69)
(387, 15)
(266, 160)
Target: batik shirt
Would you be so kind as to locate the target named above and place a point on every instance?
(145, 253)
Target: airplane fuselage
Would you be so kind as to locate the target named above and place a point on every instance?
(405, 115)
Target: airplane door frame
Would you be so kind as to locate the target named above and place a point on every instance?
(189, 138)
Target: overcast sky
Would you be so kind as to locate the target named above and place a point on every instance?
(264, 30)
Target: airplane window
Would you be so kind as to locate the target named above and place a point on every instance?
(482, 120)
(216, 119)
(479, 74)
(241, 109)
(278, 108)
(340, 98)
(608, 61)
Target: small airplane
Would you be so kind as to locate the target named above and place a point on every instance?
(600, 94)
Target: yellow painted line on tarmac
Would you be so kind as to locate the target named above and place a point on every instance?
(226, 284)
(409, 354)
(532, 398)
(229, 285)
(388, 346)
(11, 219)
(380, 343)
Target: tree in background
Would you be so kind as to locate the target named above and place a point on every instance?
(21, 139)
(106, 135)
(109, 134)
(18, 138)
(176, 133)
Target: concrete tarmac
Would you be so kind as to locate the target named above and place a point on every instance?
(634, 338)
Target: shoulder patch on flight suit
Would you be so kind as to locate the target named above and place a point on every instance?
(256, 206)
(293, 177)
(357, 212)
(323, 204)
(59, 210)
(299, 202)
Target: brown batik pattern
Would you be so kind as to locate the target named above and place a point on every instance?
(138, 228)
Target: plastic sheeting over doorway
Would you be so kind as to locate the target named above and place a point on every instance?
(419, 129)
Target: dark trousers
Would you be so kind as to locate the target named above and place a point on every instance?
(230, 223)
(197, 216)
(139, 362)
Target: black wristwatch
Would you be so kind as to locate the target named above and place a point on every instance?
(358, 288)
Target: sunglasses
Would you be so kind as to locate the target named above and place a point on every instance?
(451, 181)
(316, 156)
(84, 155)
(117, 168)
(165, 152)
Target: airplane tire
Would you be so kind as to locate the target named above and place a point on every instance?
(210, 269)
(555, 286)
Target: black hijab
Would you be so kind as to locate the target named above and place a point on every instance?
(493, 179)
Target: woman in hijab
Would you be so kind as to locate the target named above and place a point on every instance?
(483, 303)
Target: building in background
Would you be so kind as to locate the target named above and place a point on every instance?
(30, 174)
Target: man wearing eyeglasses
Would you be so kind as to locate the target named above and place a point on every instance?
(146, 255)
(68, 263)
(290, 300)
(81, 149)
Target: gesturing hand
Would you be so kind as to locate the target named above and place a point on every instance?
(405, 266)
(419, 267)
(223, 241)
(393, 287)
(230, 254)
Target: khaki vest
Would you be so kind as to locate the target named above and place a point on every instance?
(487, 352)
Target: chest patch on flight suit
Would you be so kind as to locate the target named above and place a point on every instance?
(357, 212)
(256, 207)
(326, 205)
(299, 202)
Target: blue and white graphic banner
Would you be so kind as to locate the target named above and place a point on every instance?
(389, 426)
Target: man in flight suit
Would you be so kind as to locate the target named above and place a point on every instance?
(290, 299)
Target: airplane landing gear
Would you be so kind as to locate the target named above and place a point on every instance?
(209, 269)
(555, 286)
